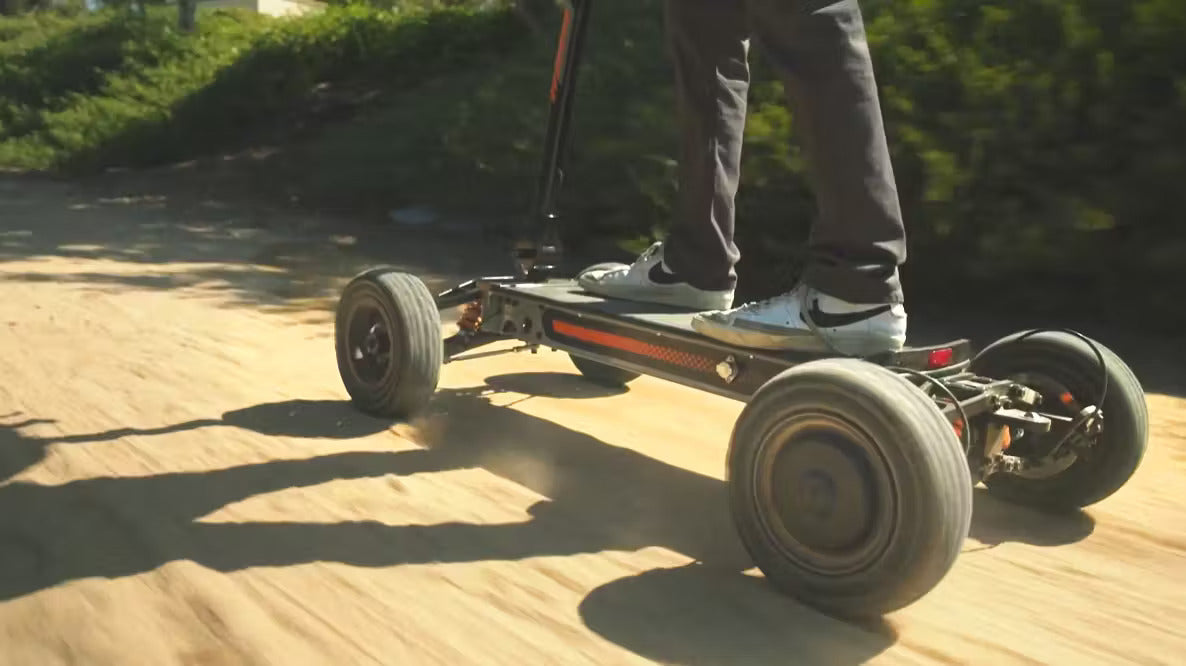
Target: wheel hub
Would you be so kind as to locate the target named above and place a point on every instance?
(369, 343)
(816, 495)
(823, 495)
(827, 500)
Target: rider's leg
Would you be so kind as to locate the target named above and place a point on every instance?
(850, 290)
(851, 284)
(708, 42)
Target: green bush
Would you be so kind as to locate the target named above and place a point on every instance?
(115, 90)
(1038, 145)
(1042, 140)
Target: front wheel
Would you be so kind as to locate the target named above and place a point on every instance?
(595, 371)
(388, 339)
(848, 487)
(1065, 370)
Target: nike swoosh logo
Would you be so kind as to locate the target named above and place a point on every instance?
(660, 276)
(838, 319)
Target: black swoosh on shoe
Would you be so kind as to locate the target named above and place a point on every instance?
(839, 319)
(660, 276)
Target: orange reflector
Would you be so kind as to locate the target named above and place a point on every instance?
(558, 63)
(958, 425)
(1006, 438)
(940, 357)
(634, 346)
(1066, 399)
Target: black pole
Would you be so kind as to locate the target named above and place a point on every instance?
(538, 250)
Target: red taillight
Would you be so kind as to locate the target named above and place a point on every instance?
(940, 357)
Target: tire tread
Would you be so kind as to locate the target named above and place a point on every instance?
(412, 307)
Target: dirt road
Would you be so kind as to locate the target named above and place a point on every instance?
(184, 483)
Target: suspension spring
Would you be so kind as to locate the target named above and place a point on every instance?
(471, 317)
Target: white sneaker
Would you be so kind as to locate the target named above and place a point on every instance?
(807, 320)
(649, 280)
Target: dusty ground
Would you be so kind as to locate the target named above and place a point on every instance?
(183, 483)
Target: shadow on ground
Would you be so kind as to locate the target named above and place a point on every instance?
(322, 419)
(602, 497)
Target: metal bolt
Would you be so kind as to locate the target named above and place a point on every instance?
(727, 369)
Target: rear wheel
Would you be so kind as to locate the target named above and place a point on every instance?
(848, 487)
(1065, 370)
(594, 371)
(388, 338)
(601, 373)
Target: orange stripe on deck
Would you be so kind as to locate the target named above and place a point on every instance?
(632, 345)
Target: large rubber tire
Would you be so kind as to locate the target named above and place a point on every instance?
(1070, 362)
(872, 446)
(410, 332)
(602, 374)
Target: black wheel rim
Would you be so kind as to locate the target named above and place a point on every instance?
(370, 342)
(825, 496)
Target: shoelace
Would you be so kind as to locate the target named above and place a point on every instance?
(642, 258)
(649, 252)
(623, 270)
(757, 305)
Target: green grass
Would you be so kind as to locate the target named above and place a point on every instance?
(109, 89)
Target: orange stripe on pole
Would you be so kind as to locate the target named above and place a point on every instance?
(558, 63)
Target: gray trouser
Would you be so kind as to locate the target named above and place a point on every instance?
(819, 51)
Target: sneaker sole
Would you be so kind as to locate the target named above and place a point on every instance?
(852, 344)
(684, 297)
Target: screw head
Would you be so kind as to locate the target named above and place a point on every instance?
(727, 369)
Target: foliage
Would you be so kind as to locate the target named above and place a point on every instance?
(113, 90)
(1042, 138)
(1038, 145)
